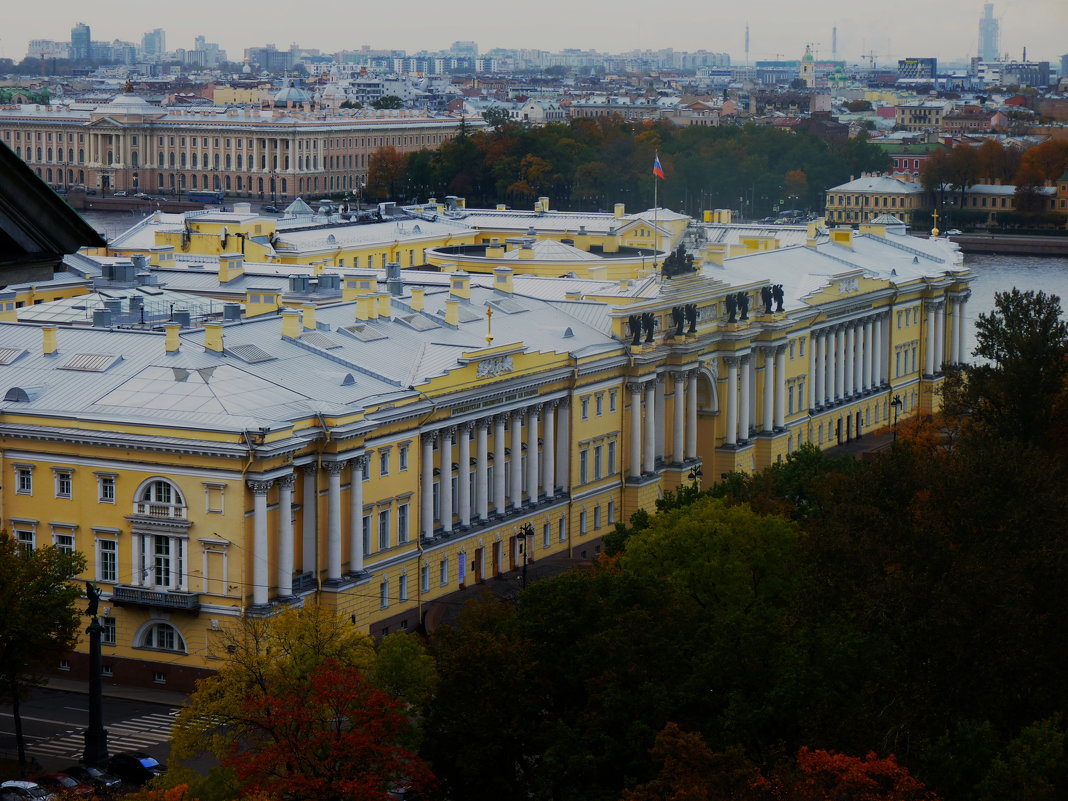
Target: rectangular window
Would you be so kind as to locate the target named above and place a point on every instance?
(611, 512)
(383, 529)
(367, 534)
(596, 518)
(443, 572)
(584, 467)
(402, 523)
(585, 408)
(25, 537)
(582, 523)
(402, 587)
(424, 578)
(64, 484)
(561, 530)
(109, 635)
(106, 489)
(598, 452)
(611, 458)
(600, 404)
(64, 542)
(546, 535)
(24, 479)
(403, 457)
(612, 401)
(107, 561)
(383, 594)
(383, 463)
(801, 347)
(461, 568)
(790, 399)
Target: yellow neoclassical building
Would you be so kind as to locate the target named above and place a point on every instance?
(386, 453)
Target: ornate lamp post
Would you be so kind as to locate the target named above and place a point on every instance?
(524, 532)
(695, 476)
(896, 403)
(96, 736)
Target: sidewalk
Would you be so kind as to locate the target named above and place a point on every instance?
(145, 694)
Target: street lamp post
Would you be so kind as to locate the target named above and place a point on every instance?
(524, 532)
(695, 476)
(96, 736)
(896, 403)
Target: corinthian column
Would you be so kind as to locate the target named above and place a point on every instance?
(333, 530)
(285, 535)
(260, 545)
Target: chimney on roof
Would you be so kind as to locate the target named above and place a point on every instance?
(620, 210)
(213, 337)
(418, 298)
(502, 280)
(364, 306)
(452, 312)
(231, 265)
(460, 286)
(50, 348)
(173, 342)
(309, 316)
(385, 304)
(290, 323)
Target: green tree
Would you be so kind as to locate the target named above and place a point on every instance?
(38, 618)
(1033, 767)
(387, 101)
(1013, 392)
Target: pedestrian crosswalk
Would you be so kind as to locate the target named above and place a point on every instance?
(130, 734)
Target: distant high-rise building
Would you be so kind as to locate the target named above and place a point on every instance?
(1064, 65)
(917, 68)
(154, 44)
(989, 32)
(80, 39)
(469, 49)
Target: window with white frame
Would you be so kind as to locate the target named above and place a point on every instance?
(612, 401)
(163, 561)
(611, 458)
(561, 530)
(160, 498)
(586, 408)
(105, 487)
(383, 594)
(383, 529)
(598, 452)
(596, 518)
(584, 465)
(443, 571)
(366, 533)
(23, 479)
(64, 483)
(25, 535)
(383, 463)
(162, 637)
(402, 523)
(611, 512)
(582, 522)
(107, 561)
(402, 587)
(424, 578)
(546, 535)
(109, 636)
(402, 457)
(461, 567)
(64, 541)
(599, 404)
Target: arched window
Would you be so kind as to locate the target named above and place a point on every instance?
(194, 162)
(161, 636)
(194, 179)
(160, 498)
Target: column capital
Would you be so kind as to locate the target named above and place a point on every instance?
(335, 468)
(430, 437)
(534, 413)
(466, 427)
(287, 481)
(500, 419)
(634, 387)
(731, 361)
(518, 415)
(678, 376)
(936, 305)
(311, 469)
(780, 350)
(361, 462)
(260, 487)
(550, 406)
(448, 431)
(483, 423)
(659, 378)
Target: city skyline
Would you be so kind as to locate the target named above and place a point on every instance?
(914, 29)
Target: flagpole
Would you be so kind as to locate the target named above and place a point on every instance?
(656, 214)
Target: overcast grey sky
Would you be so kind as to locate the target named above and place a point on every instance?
(947, 30)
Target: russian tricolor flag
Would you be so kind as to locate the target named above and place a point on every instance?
(658, 171)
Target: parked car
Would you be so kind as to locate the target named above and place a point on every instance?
(142, 196)
(135, 767)
(90, 192)
(121, 193)
(94, 777)
(25, 791)
(64, 783)
(954, 232)
(271, 209)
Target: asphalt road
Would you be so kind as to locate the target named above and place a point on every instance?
(54, 722)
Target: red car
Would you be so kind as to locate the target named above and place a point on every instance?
(61, 782)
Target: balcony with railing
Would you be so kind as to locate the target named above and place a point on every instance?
(163, 511)
(160, 599)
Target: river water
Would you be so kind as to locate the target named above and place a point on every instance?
(993, 273)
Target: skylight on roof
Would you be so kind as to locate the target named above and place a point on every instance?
(362, 332)
(319, 341)
(417, 322)
(90, 362)
(251, 354)
(8, 355)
